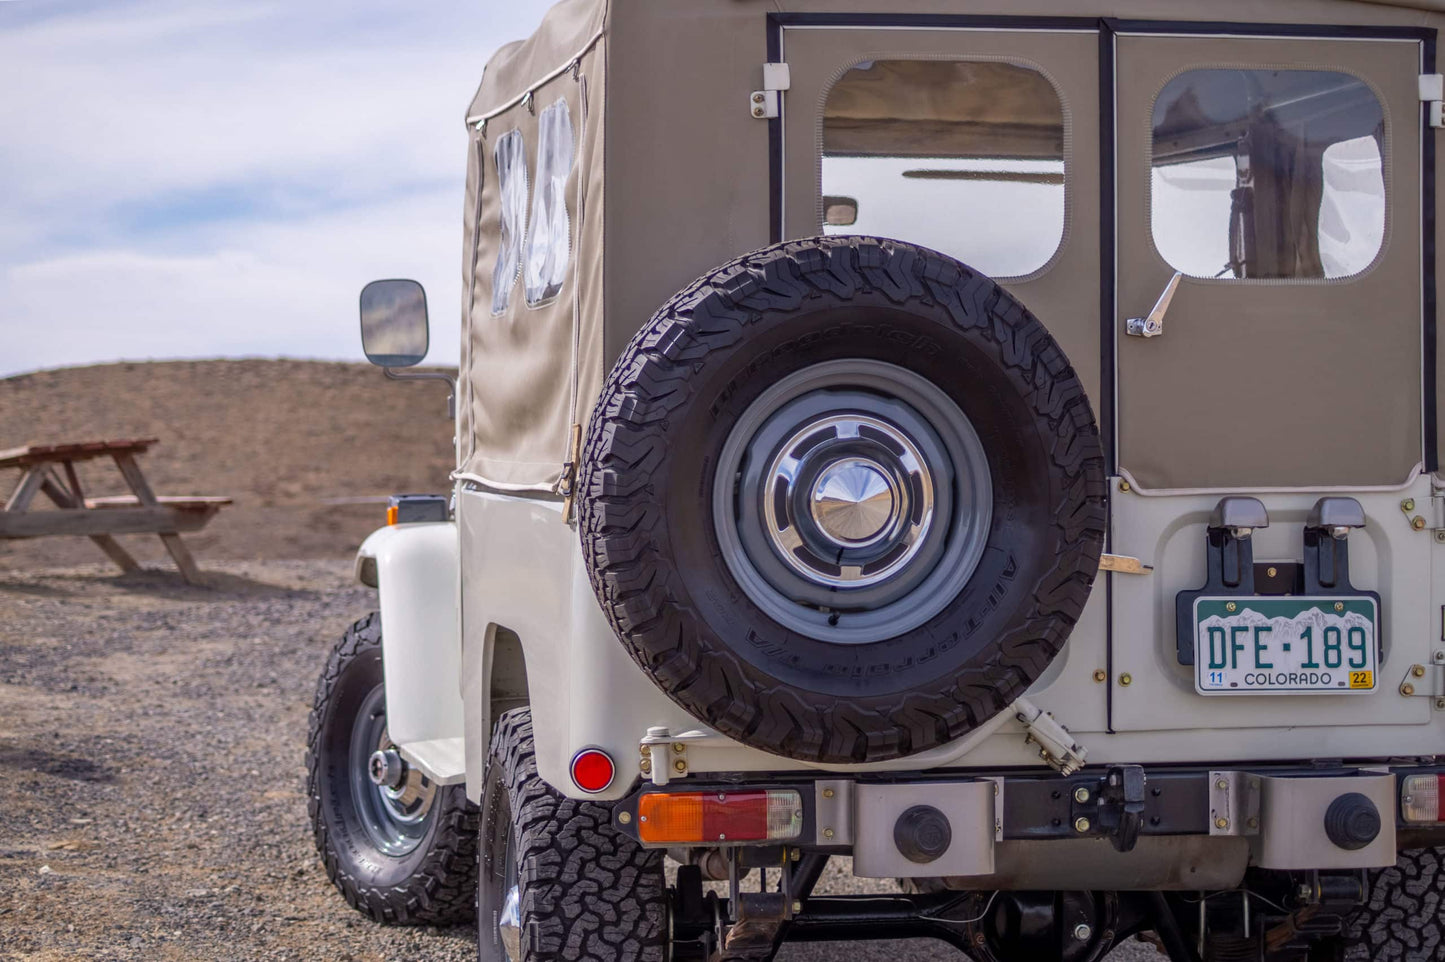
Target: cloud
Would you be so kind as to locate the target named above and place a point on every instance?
(207, 178)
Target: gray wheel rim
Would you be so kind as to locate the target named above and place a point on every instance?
(852, 501)
(393, 818)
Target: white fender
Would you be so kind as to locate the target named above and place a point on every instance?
(414, 569)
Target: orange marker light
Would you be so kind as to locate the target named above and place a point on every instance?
(391, 513)
(677, 817)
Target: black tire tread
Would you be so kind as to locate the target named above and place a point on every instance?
(443, 890)
(589, 893)
(622, 529)
(1404, 918)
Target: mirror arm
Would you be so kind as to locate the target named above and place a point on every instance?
(395, 375)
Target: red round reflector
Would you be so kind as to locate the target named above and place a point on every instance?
(592, 770)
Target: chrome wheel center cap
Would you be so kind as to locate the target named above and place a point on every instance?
(852, 501)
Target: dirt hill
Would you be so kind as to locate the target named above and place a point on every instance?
(299, 445)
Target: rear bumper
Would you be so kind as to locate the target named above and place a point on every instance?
(1122, 827)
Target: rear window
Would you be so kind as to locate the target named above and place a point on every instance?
(965, 157)
(1268, 174)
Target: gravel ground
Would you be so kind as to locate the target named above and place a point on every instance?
(151, 777)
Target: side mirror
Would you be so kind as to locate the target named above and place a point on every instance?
(393, 323)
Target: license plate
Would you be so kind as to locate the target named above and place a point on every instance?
(1248, 645)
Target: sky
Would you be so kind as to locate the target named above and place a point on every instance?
(194, 178)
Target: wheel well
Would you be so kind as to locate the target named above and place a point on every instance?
(508, 687)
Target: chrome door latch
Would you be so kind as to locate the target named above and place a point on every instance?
(1152, 325)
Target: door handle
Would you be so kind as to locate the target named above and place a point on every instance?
(1152, 324)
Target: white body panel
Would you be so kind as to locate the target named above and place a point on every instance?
(416, 572)
(522, 569)
(1387, 556)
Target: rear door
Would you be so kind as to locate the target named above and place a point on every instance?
(1281, 177)
(979, 142)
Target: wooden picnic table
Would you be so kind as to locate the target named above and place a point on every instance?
(100, 519)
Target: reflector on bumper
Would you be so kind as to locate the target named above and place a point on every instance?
(681, 817)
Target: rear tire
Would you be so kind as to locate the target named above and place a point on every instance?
(401, 861)
(1403, 919)
(584, 892)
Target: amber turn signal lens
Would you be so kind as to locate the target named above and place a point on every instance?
(391, 514)
(676, 817)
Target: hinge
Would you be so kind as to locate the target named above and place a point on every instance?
(1432, 92)
(1426, 516)
(663, 752)
(1426, 681)
(764, 104)
(567, 484)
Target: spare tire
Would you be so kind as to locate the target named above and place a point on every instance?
(843, 499)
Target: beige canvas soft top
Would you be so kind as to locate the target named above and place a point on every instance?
(678, 185)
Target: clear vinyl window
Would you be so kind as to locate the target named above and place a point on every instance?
(965, 157)
(510, 156)
(549, 244)
(1268, 174)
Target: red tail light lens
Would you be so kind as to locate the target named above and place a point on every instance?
(592, 770)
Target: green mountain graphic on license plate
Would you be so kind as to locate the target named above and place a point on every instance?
(1248, 645)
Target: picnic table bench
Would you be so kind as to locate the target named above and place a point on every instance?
(100, 519)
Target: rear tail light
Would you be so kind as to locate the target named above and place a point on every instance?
(1420, 798)
(677, 817)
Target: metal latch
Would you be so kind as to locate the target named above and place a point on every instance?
(1432, 92)
(764, 103)
(1059, 750)
(1121, 805)
(1152, 324)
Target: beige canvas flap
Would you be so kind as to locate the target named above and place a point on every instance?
(532, 371)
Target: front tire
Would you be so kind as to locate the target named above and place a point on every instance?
(556, 881)
(403, 854)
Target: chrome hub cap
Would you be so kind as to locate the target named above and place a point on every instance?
(848, 501)
(852, 501)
